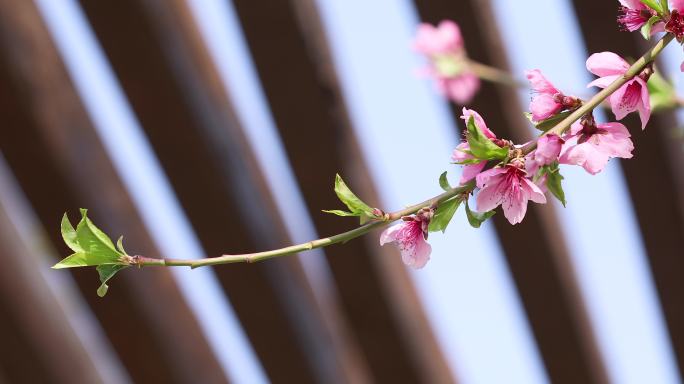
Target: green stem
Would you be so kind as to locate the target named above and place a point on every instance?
(559, 129)
(494, 75)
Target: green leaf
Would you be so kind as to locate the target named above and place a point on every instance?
(106, 272)
(69, 234)
(341, 213)
(119, 246)
(92, 246)
(476, 218)
(355, 205)
(654, 5)
(443, 215)
(662, 92)
(553, 183)
(551, 122)
(443, 182)
(481, 146)
(646, 28)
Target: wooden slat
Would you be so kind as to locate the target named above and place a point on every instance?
(291, 55)
(654, 176)
(49, 350)
(174, 89)
(59, 162)
(535, 249)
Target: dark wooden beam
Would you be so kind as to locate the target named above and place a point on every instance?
(537, 256)
(290, 50)
(38, 343)
(61, 165)
(177, 94)
(654, 176)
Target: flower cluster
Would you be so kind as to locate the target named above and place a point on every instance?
(501, 173)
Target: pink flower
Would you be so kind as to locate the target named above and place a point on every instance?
(548, 149)
(634, 14)
(547, 101)
(632, 96)
(461, 152)
(507, 186)
(591, 146)
(410, 236)
(443, 45)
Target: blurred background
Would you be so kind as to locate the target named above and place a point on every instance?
(201, 127)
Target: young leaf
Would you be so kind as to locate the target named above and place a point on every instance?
(106, 272)
(551, 122)
(443, 215)
(646, 28)
(553, 183)
(119, 245)
(443, 182)
(476, 218)
(349, 199)
(341, 213)
(69, 234)
(480, 145)
(91, 245)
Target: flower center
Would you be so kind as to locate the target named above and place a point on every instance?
(676, 25)
(449, 65)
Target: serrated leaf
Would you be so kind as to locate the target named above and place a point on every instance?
(481, 146)
(106, 272)
(551, 122)
(69, 234)
(476, 218)
(443, 215)
(443, 182)
(646, 28)
(554, 183)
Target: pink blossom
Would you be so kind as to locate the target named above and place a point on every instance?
(507, 186)
(444, 46)
(547, 100)
(634, 14)
(591, 145)
(410, 236)
(548, 149)
(461, 152)
(632, 96)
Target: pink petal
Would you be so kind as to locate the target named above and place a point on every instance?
(489, 198)
(632, 4)
(676, 4)
(390, 234)
(533, 191)
(470, 171)
(459, 153)
(450, 35)
(485, 177)
(606, 64)
(603, 82)
(418, 255)
(479, 121)
(539, 83)
(586, 156)
(543, 106)
(626, 99)
(644, 107)
(462, 88)
(548, 148)
(515, 206)
(615, 142)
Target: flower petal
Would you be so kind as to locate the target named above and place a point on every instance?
(606, 64)
(543, 106)
(470, 171)
(462, 88)
(479, 121)
(390, 234)
(539, 83)
(485, 177)
(604, 81)
(489, 198)
(418, 255)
